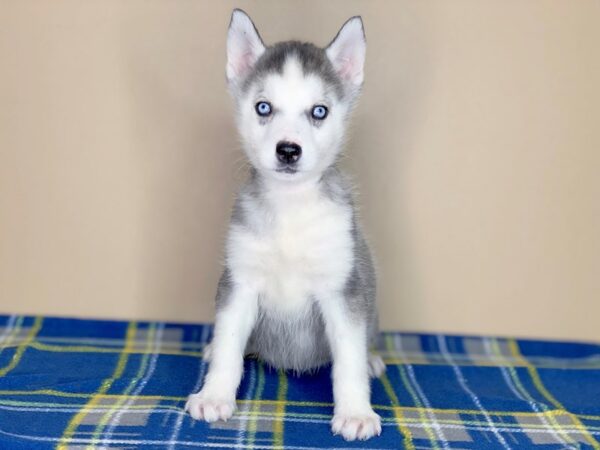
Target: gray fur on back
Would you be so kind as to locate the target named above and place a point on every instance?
(299, 343)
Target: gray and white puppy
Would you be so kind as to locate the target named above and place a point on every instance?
(298, 289)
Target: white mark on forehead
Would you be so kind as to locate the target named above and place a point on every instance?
(292, 70)
(292, 90)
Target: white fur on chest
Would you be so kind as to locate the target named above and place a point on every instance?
(299, 243)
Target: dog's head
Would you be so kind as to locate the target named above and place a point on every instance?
(293, 98)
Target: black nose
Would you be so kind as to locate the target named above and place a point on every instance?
(288, 152)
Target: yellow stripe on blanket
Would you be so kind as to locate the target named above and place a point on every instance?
(104, 387)
(513, 346)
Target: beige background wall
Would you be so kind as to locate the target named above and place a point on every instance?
(476, 146)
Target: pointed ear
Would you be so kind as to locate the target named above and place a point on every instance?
(347, 52)
(244, 46)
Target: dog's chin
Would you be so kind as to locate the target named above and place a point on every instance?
(287, 170)
(285, 174)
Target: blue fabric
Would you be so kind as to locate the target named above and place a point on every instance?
(68, 383)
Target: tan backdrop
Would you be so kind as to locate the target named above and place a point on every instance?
(476, 146)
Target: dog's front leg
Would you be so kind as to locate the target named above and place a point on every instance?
(346, 330)
(233, 325)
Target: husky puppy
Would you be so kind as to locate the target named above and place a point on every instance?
(298, 288)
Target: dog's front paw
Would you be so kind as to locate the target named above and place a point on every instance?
(202, 406)
(356, 426)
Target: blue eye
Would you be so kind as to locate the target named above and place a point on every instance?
(319, 112)
(263, 109)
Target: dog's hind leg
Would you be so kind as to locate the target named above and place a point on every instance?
(376, 365)
(207, 352)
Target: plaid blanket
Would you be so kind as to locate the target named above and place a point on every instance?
(68, 383)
